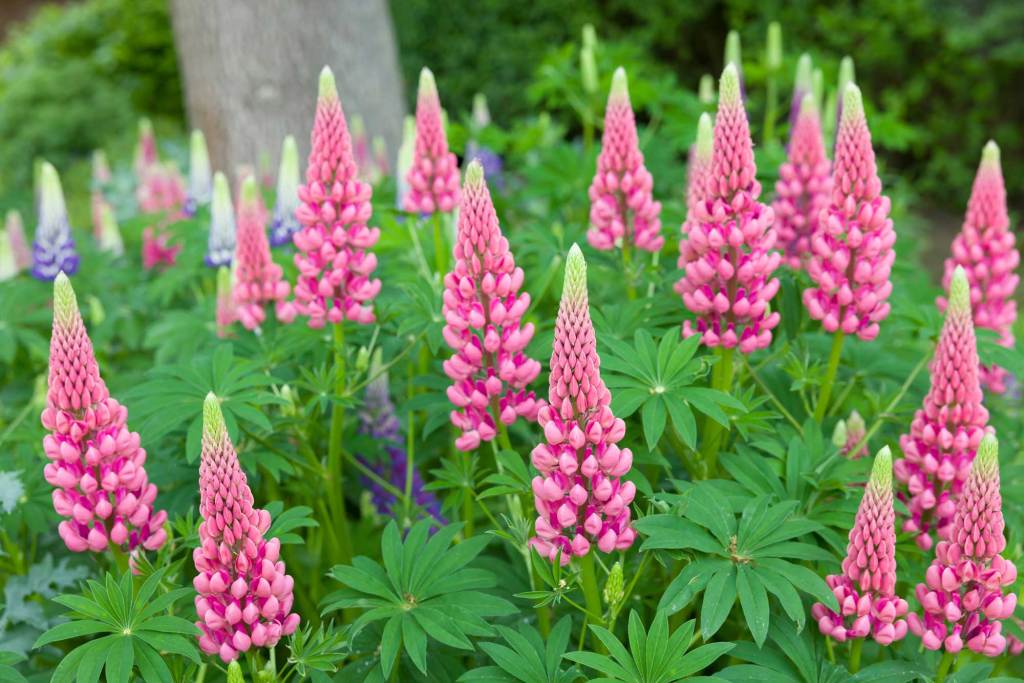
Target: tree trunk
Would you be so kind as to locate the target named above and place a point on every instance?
(250, 70)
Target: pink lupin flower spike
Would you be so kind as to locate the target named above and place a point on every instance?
(866, 590)
(482, 310)
(434, 176)
(622, 208)
(697, 168)
(852, 248)
(804, 187)
(962, 594)
(257, 280)
(146, 153)
(19, 243)
(580, 495)
(946, 431)
(334, 260)
(986, 249)
(96, 464)
(244, 595)
(727, 254)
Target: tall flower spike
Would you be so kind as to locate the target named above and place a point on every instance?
(200, 177)
(963, 593)
(622, 209)
(804, 187)
(334, 260)
(946, 431)
(257, 278)
(434, 176)
(727, 254)
(802, 85)
(19, 244)
(866, 590)
(482, 309)
(852, 248)
(244, 595)
(697, 169)
(110, 234)
(285, 224)
(96, 465)
(220, 247)
(847, 76)
(734, 56)
(226, 314)
(986, 249)
(53, 250)
(579, 495)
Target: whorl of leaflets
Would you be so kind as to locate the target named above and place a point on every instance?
(334, 258)
(433, 178)
(53, 250)
(963, 593)
(220, 246)
(986, 249)
(257, 280)
(866, 590)
(579, 495)
(804, 188)
(697, 168)
(852, 247)
(622, 209)
(244, 595)
(284, 223)
(96, 464)
(482, 310)
(19, 244)
(727, 255)
(200, 177)
(946, 431)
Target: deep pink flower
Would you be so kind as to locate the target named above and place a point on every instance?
(96, 464)
(258, 280)
(579, 495)
(986, 249)
(334, 259)
(852, 252)
(962, 596)
(622, 208)
(434, 176)
(727, 254)
(157, 249)
(244, 595)
(866, 590)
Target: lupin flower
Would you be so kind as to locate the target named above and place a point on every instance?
(244, 595)
(866, 590)
(225, 313)
(284, 223)
(622, 208)
(109, 238)
(53, 250)
(334, 259)
(403, 163)
(580, 495)
(847, 76)
(220, 247)
(257, 280)
(100, 180)
(19, 244)
(848, 433)
(157, 249)
(482, 309)
(200, 178)
(96, 464)
(162, 189)
(986, 250)
(734, 55)
(803, 84)
(145, 149)
(434, 176)
(727, 255)
(962, 596)
(697, 168)
(852, 248)
(804, 188)
(946, 431)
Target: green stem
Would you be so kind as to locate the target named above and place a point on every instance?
(831, 652)
(830, 376)
(440, 252)
(467, 504)
(591, 594)
(855, 648)
(335, 482)
(627, 269)
(772, 397)
(944, 665)
(120, 558)
(770, 109)
(714, 433)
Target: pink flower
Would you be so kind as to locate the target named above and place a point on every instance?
(622, 208)
(579, 495)
(244, 595)
(727, 254)
(162, 190)
(804, 187)
(157, 250)
(962, 595)
(852, 253)
(697, 168)
(946, 431)
(985, 248)
(97, 466)
(257, 278)
(434, 176)
(19, 244)
(482, 311)
(866, 590)
(334, 258)
(146, 153)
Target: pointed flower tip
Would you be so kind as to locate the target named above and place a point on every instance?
(575, 287)
(959, 293)
(65, 303)
(213, 418)
(846, 70)
(474, 174)
(990, 154)
(428, 86)
(620, 85)
(881, 470)
(729, 86)
(221, 189)
(198, 140)
(808, 105)
(705, 136)
(732, 48)
(986, 462)
(250, 191)
(48, 176)
(145, 126)
(853, 103)
(328, 90)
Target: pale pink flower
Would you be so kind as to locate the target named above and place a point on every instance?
(433, 178)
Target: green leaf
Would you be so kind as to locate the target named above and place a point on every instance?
(701, 658)
(415, 642)
(803, 579)
(787, 596)
(120, 660)
(683, 420)
(71, 629)
(754, 602)
(690, 581)
(390, 640)
(653, 417)
(719, 597)
(705, 509)
(674, 533)
(151, 665)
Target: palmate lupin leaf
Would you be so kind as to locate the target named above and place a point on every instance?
(424, 591)
(128, 630)
(321, 649)
(526, 656)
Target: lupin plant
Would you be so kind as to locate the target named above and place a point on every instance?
(19, 244)
(986, 250)
(946, 432)
(734, 56)
(53, 250)
(433, 177)
(482, 310)
(803, 84)
(847, 76)
(220, 245)
(849, 436)
(697, 169)
(284, 223)
(200, 177)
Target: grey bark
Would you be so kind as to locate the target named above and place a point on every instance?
(250, 70)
